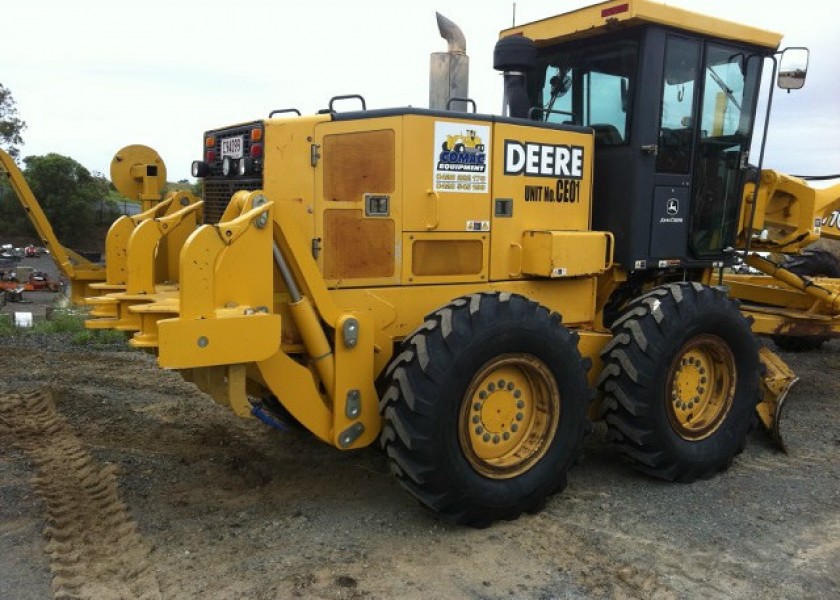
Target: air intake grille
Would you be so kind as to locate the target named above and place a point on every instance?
(217, 194)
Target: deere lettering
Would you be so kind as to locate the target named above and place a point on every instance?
(543, 160)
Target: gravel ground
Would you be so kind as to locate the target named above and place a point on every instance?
(119, 480)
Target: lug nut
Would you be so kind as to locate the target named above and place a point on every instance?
(486, 437)
(519, 416)
(510, 386)
(482, 394)
(517, 393)
(491, 386)
(501, 384)
(520, 404)
(514, 428)
(476, 419)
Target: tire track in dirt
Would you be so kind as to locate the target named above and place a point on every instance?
(93, 545)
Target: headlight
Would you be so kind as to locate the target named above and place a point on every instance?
(200, 168)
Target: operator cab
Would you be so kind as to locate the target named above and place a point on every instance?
(671, 98)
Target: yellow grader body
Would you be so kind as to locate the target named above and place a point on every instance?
(420, 237)
(399, 275)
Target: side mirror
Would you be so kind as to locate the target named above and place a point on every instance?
(793, 68)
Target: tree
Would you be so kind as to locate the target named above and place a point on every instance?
(69, 195)
(10, 125)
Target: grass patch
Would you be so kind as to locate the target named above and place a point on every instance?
(7, 326)
(62, 321)
(67, 322)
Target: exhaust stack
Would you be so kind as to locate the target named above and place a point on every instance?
(449, 75)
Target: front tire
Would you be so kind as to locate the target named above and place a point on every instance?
(485, 408)
(680, 382)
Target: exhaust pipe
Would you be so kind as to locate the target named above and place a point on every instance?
(449, 74)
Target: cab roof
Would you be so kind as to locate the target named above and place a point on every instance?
(607, 16)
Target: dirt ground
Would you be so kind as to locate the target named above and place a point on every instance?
(119, 480)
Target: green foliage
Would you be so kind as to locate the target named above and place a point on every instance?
(62, 321)
(82, 338)
(68, 322)
(10, 124)
(6, 325)
(70, 196)
(183, 185)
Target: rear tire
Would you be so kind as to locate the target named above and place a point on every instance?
(811, 263)
(680, 382)
(485, 408)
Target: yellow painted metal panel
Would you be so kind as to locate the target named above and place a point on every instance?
(298, 393)
(546, 174)
(468, 275)
(218, 341)
(322, 204)
(446, 190)
(354, 387)
(607, 16)
(288, 175)
(566, 253)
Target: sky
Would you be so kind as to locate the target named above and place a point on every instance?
(92, 76)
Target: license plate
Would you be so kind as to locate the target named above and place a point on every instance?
(233, 146)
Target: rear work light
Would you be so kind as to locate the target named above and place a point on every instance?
(228, 166)
(246, 166)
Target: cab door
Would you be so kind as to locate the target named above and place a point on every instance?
(673, 151)
(707, 110)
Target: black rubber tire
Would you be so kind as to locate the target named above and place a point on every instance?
(459, 147)
(427, 382)
(811, 263)
(647, 340)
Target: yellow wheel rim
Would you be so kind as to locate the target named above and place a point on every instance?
(509, 415)
(701, 387)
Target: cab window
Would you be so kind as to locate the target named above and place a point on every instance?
(590, 87)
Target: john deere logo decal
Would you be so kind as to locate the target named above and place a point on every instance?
(460, 160)
(672, 209)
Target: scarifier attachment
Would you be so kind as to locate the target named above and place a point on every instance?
(142, 260)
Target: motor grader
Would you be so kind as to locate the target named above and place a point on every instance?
(357, 278)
